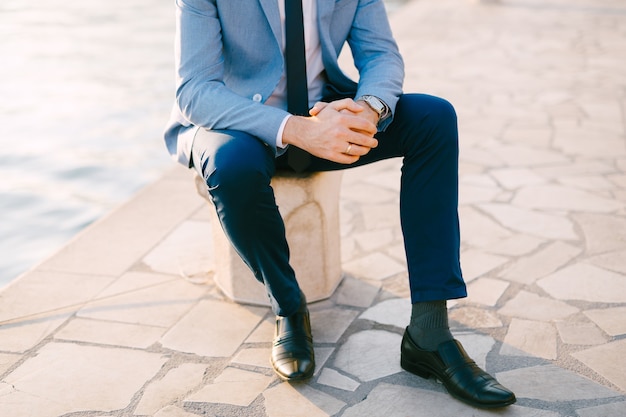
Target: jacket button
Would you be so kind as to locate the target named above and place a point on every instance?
(257, 97)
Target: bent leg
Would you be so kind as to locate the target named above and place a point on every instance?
(423, 132)
(237, 169)
(427, 129)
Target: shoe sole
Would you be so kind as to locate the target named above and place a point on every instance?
(425, 372)
(293, 379)
(299, 378)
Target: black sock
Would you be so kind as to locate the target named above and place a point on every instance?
(429, 324)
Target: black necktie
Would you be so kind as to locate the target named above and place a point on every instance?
(295, 61)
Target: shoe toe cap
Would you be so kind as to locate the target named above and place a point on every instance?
(497, 394)
(294, 369)
(490, 395)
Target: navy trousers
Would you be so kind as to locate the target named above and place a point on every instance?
(238, 167)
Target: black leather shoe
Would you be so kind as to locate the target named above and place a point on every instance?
(463, 379)
(292, 351)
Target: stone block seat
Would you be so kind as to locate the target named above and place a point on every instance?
(309, 205)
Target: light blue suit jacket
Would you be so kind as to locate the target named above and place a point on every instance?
(229, 61)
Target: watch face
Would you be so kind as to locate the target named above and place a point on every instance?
(376, 104)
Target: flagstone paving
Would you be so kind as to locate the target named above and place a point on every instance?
(126, 321)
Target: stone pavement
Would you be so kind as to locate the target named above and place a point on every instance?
(125, 319)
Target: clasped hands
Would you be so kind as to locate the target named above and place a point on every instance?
(340, 131)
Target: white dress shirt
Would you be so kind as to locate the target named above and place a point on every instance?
(314, 64)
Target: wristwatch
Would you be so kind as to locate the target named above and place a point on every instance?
(377, 105)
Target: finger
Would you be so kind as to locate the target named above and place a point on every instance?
(342, 158)
(356, 150)
(346, 104)
(317, 107)
(348, 111)
(360, 124)
(339, 156)
(362, 140)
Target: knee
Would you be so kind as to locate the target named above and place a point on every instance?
(233, 164)
(442, 118)
(438, 112)
(229, 159)
(448, 124)
(431, 123)
(237, 174)
(427, 112)
(443, 111)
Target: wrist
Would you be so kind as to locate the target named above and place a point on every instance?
(371, 114)
(293, 130)
(376, 105)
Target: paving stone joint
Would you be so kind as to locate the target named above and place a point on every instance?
(127, 321)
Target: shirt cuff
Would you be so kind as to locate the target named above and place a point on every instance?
(279, 135)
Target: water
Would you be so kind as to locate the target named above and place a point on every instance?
(85, 87)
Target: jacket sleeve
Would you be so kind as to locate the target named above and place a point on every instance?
(376, 55)
(202, 96)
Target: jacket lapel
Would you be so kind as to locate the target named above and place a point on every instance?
(324, 12)
(325, 9)
(270, 8)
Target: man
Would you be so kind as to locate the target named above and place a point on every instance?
(242, 67)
